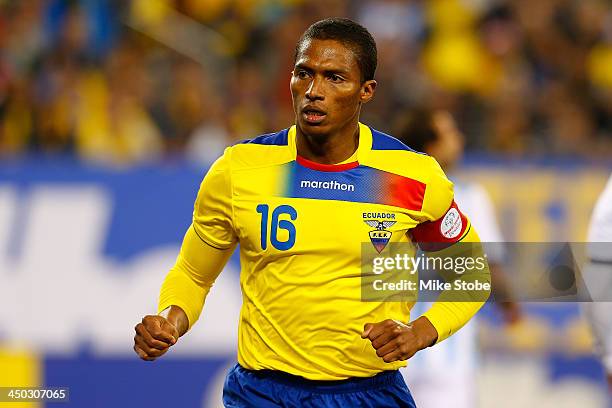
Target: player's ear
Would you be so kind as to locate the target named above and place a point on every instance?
(368, 88)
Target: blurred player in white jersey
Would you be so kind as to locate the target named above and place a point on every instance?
(446, 375)
(597, 275)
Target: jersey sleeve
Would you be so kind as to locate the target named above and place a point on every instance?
(438, 193)
(213, 211)
(188, 283)
(443, 222)
(454, 308)
(443, 225)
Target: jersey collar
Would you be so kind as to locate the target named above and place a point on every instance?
(363, 148)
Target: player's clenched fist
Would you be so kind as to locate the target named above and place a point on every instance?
(394, 340)
(154, 336)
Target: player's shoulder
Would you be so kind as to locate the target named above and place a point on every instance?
(262, 150)
(392, 155)
(383, 142)
(280, 138)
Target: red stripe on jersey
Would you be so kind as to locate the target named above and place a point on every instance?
(325, 167)
(442, 233)
(404, 192)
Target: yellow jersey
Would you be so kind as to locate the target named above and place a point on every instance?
(300, 226)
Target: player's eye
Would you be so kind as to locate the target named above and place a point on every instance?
(300, 73)
(335, 78)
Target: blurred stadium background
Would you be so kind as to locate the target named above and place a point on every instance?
(111, 112)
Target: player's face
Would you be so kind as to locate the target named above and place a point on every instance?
(326, 88)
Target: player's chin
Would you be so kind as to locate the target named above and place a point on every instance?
(314, 129)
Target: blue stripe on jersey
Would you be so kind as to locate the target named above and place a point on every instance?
(383, 141)
(352, 185)
(278, 139)
(361, 184)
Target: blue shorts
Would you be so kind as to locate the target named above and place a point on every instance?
(268, 389)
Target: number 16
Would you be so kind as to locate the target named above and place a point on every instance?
(277, 224)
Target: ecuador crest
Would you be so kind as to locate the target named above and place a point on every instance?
(380, 236)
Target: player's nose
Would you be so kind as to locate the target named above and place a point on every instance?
(315, 90)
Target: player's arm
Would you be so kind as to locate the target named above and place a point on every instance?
(182, 296)
(188, 283)
(394, 340)
(447, 232)
(207, 245)
(443, 228)
(455, 307)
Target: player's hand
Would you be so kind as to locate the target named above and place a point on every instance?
(394, 340)
(154, 336)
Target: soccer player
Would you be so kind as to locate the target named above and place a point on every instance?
(300, 203)
(598, 278)
(452, 365)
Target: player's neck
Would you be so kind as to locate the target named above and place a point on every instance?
(328, 149)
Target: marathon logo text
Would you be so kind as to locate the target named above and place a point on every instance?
(327, 185)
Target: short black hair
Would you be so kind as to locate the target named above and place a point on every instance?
(416, 129)
(350, 34)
